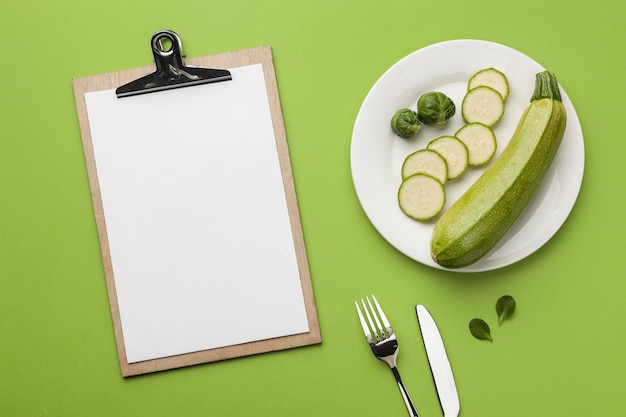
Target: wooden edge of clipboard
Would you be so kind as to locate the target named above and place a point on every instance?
(262, 55)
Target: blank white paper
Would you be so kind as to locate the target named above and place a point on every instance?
(196, 217)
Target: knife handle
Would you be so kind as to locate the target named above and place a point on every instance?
(405, 394)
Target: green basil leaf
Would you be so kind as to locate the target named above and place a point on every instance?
(480, 329)
(505, 306)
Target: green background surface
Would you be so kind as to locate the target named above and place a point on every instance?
(561, 354)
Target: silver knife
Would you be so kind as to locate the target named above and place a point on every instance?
(439, 363)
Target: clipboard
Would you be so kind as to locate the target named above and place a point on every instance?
(127, 266)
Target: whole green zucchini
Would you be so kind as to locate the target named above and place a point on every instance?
(476, 222)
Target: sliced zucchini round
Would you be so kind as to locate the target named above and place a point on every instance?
(454, 151)
(490, 77)
(425, 161)
(480, 141)
(483, 105)
(421, 197)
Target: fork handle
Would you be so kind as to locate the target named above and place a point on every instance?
(405, 394)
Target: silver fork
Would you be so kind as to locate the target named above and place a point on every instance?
(383, 343)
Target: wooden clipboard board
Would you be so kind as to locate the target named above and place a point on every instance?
(260, 55)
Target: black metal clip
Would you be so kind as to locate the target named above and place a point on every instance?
(171, 72)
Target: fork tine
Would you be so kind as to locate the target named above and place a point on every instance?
(380, 328)
(375, 329)
(366, 329)
(382, 316)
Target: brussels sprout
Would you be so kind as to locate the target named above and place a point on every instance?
(435, 108)
(405, 123)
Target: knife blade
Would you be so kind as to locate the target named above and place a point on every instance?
(439, 363)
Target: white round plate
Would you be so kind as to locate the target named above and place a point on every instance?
(376, 154)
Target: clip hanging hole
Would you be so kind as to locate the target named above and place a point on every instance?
(163, 45)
